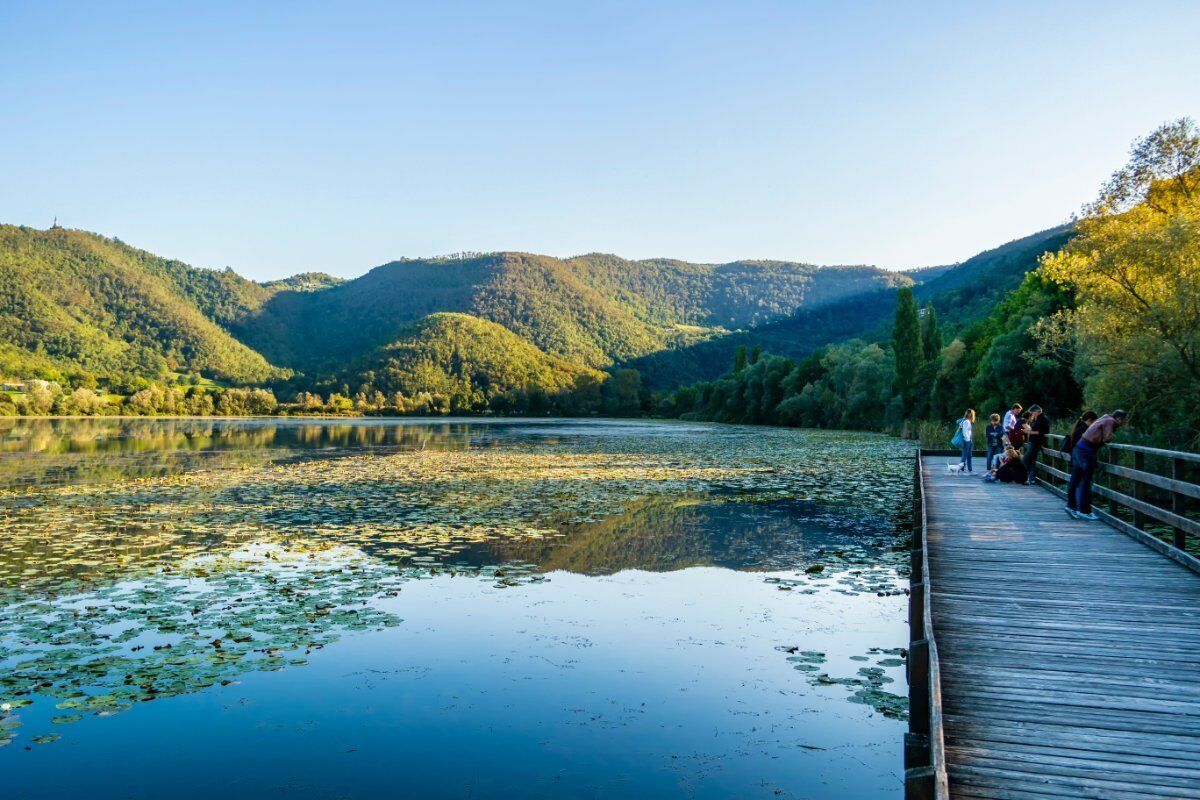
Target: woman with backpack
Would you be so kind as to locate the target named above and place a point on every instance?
(963, 437)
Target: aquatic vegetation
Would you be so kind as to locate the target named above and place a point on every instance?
(438, 503)
(868, 684)
(120, 591)
(196, 624)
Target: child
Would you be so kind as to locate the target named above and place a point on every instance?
(995, 440)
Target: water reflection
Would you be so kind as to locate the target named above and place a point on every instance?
(173, 556)
(668, 533)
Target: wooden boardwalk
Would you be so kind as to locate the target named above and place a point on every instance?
(1069, 652)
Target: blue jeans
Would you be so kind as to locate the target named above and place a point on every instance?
(1083, 470)
(1032, 450)
(993, 451)
(967, 451)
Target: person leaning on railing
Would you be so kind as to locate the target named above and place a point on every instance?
(1081, 425)
(1083, 462)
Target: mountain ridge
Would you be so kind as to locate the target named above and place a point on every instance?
(74, 303)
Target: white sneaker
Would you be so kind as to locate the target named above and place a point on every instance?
(1088, 515)
(1072, 512)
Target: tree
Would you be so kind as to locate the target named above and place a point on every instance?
(949, 396)
(623, 391)
(1013, 367)
(42, 396)
(1136, 278)
(906, 346)
(1164, 164)
(931, 336)
(740, 359)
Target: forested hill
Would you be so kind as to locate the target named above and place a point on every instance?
(593, 310)
(75, 304)
(473, 362)
(739, 294)
(85, 310)
(961, 294)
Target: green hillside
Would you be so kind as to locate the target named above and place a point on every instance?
(79, 307)
(460, 355)
(79, 304)
(735, 295)
(593, 310)
(962, 294)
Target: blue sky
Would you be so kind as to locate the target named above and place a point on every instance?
(304, 136)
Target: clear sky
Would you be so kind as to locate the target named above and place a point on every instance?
(337, 136)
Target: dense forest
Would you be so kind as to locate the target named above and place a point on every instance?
(1109, 317)
(1101, 312)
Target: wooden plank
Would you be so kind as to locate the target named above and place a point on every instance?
(1072, 737)
(1069, 653)
(1064, 785)
(1174, 775)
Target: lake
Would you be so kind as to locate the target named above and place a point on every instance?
(460, 608)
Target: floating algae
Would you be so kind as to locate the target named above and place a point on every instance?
(123, 591)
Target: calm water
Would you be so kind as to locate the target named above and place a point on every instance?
(458, 609)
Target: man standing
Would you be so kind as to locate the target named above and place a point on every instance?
(1012, 417)
(1083, 462)
(1039, 428)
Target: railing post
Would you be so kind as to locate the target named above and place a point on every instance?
(1178, 501)
(1139, 490)
(920, 783)
(1113, 506)
(918, 686)
(916, 750)
(916, 611)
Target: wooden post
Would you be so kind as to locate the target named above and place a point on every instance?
(916, 750)
(1113, 506)
(1178, 501)
(915, 572)
(918, 686)
(1139, 490)
(920, 783)
(916, 612)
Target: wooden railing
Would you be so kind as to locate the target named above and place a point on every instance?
(924, 744)
(1146, 492)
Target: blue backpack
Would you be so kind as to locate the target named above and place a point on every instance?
(957, 441)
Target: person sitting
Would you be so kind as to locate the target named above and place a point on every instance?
(1011, 470)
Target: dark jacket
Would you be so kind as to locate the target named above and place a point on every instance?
(995, 435)
(1011, 471)
(1041, 427)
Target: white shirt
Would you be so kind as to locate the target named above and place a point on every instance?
(967, 430)
(1010, 420)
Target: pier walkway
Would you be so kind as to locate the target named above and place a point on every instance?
(1067, 655)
